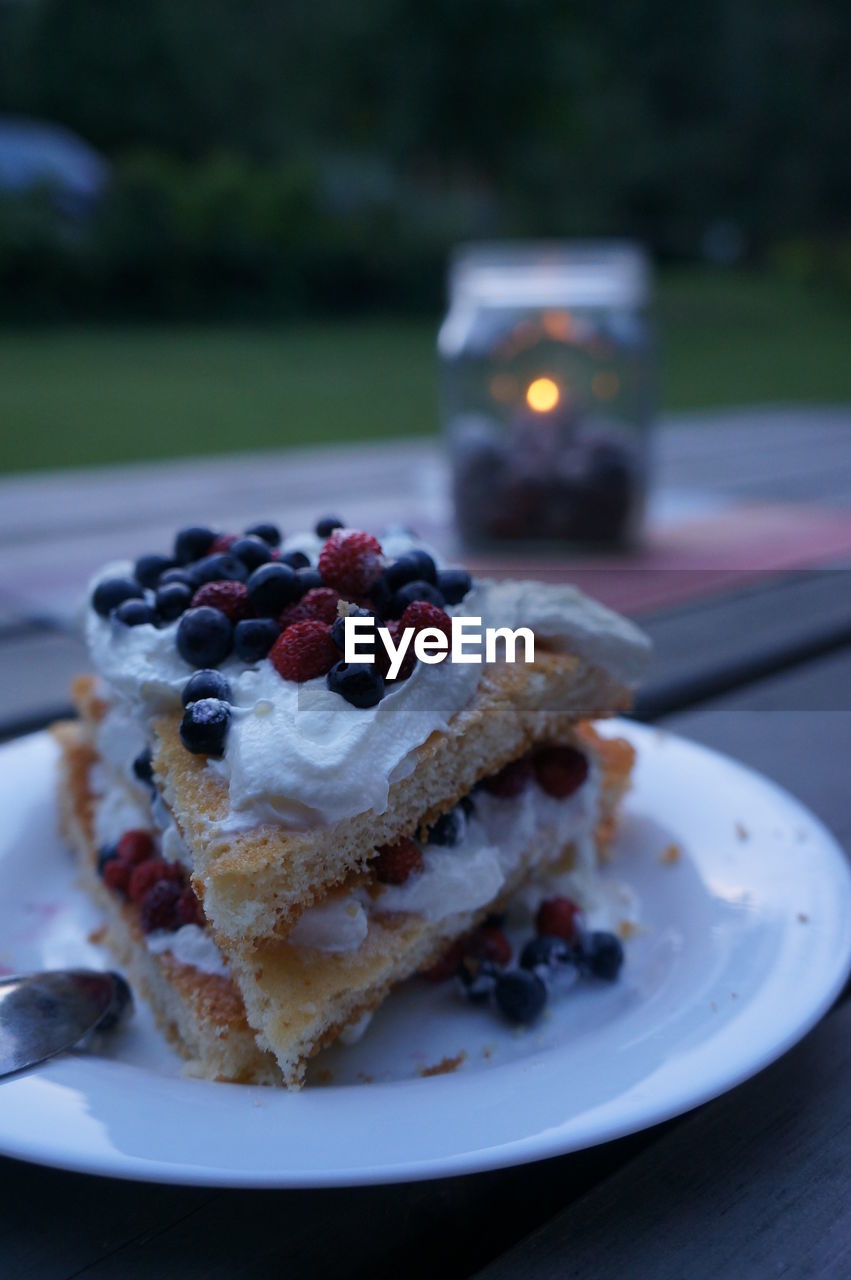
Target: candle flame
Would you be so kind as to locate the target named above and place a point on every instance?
(542, 395)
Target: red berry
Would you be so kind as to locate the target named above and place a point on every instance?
(512, 780)
(159, 907)
(318, 604)
(116, 875)
(556, 918)
(447, 966)
(351, 561)
(396, 862)
(420, 615)
(189, 909)
(135, 847)
(382, 657)
(489, 943)
(230, 598)
(560, 771)
(147, 874)
(223, 542)
(305, 650)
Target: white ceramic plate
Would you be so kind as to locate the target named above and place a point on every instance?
(747, 941)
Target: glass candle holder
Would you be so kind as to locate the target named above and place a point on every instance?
(546, 358)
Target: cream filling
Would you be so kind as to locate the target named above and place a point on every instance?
(190, 945)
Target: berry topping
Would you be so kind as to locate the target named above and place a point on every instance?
(447, 966)
(219, 567)
(394, 863)
(477, 979)
(511, 781)
(111, 592)
(360, 683)
(188, 909)
(546, 953)
(382, 657)
(192, 543)
(326, 526)
(601, 955)
(520, 995)
(159, 907)
(489, 943)
(417, 590)
(204, 637)
(252, 552)
(351, 561)
(560, 771)
(319, 604)
(254, 637)
(308, 578)
(270, 533)
(106, 853)
(338, 628)
(172, 600)
(205, 684)
(149, 569)
(142, 766)
(116, 876)
(222, 542)
(450, 828)
(413, 566)
(147, 874)
(453, 584)
(230, 598)
(181, 576)
(272, 587)
(421, 615)
(134, 613)
(135, 847)
(304, 651)
(295, 559)
(204, 727)
(557, 918)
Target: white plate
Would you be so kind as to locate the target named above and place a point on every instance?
(747, 942)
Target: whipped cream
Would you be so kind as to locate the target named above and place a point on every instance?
(190, 945)
(339, 924)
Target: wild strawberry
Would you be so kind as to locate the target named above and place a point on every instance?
(420, 615)
(560, 771)
(305, 650)
(147, 874)
(447, 966)
(556, 918)
(222, 542)
(396, 862)
(116, 875)
(188, 908)
(351, 561)
(489, 943)
(510, 781)
(159, 907)
(230, 598)
(382, 657)
(136, 846)
(319, 604)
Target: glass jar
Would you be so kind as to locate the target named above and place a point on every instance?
(547, 391)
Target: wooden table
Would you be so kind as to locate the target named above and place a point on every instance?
(742, 587)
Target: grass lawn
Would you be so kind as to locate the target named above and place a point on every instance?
(80, 396)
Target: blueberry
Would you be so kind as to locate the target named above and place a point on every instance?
(252, 551)
(272, 587)
(600, 954)
(270, 533)
(142, 766)
(180, 576)
(382, 596)
(477, 979)
(419, 590)
(205, 684)
(149, 568)
(307, 580)
(520, 995)
(295, 559)
(326, 526)
(360, 683)
(134, 613)
(546, 952)
(172, 600)
(413, 566)
(449, 829)
(106, 853)
(254, 637)
(338, 628)
(192, 543)
(112, 592)
(204, 637)
(204, 727)
(454, 584)
(222, 567)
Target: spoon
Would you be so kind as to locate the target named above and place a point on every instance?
(42, 1014)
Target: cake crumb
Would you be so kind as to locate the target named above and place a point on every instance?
(671, 854)
(489, 1050)
(628, 929)
(742, 831)
(803, 917)
(365, 1079)
(98, 935)
(323, 1075)
(446, 1065)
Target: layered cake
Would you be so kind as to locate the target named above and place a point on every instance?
(278, 836)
